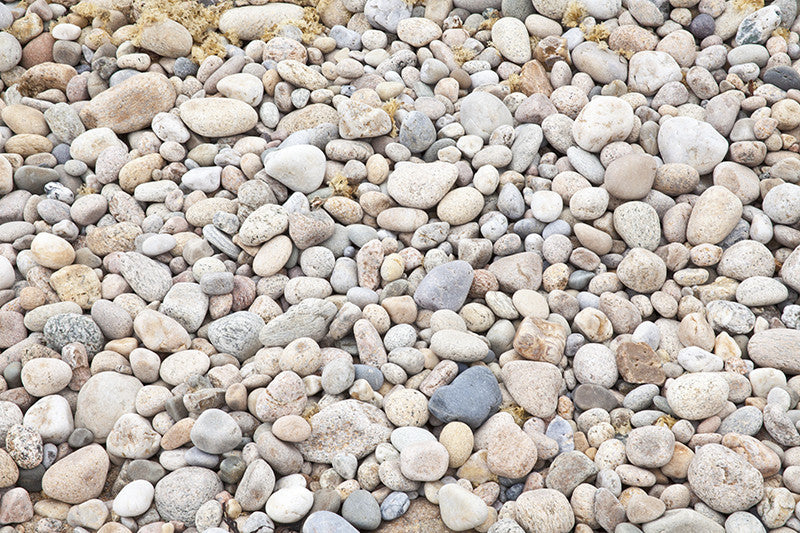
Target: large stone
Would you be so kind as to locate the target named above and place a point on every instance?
(724, 480)
(78, 477)
(692, 142)
(776, 348)
(421, 185)
(103, 399)
(482, 113)
(250, 22)
(445, 286)
(301, 167)
(471, 398)
(130, 105)
(218, 117)
(180, 493)
(349, 426)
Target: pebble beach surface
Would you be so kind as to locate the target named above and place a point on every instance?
(504, 266)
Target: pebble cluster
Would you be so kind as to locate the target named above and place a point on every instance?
(504, 266)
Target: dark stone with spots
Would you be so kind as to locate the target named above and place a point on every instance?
(783, 77)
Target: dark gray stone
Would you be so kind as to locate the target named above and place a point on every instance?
(783, 77)
(445, 286)
(471, 398)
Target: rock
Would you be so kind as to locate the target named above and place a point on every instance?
(289, 504)
(327, 522)
(132, 104)
(386, 14)
(482, 113)
(361, 510)
(348, 426)
(544, 510)
(697, 396)
(421, 186)
(445, 286)
(216, 432)
(77, 477)
(648, 71)
(160, 333)
(103, 399)
(686, 520)
(250, 22)
(650, 446)
(134, 499)
(180, 493)
(62, 329)
(148, 278)
(512, 40)
(603, 120)
(424, 461)
(237, 334)
(358, 120)
(773, 348)
(471, 398)
(533, 385)
(44, 376)
(166, 38)
(310, 318)
(714, 216)
(299, 167)
(689, 141)
(461, 510)
(724, 480)
(218, 117)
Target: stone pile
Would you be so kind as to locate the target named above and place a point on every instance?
(504, 266)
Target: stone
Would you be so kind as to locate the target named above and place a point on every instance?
(132, 104)
(724, 480)
(689, 141)
(461, 510)
(534, 385)
(103, 399)
(77, 477)
(421, 186)
(250, 22)
(603, 120)
(445, 286)
(714, 216)
(544, 510)
(471, 398)
(216, 432)
(218, 117)
(482, 113)
(289, 504)
(237, 334)
(134, 499)
(179, 494)
(347, 426)
(697, 396)
(299, 167)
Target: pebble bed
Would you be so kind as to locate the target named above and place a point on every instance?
(504, 266)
